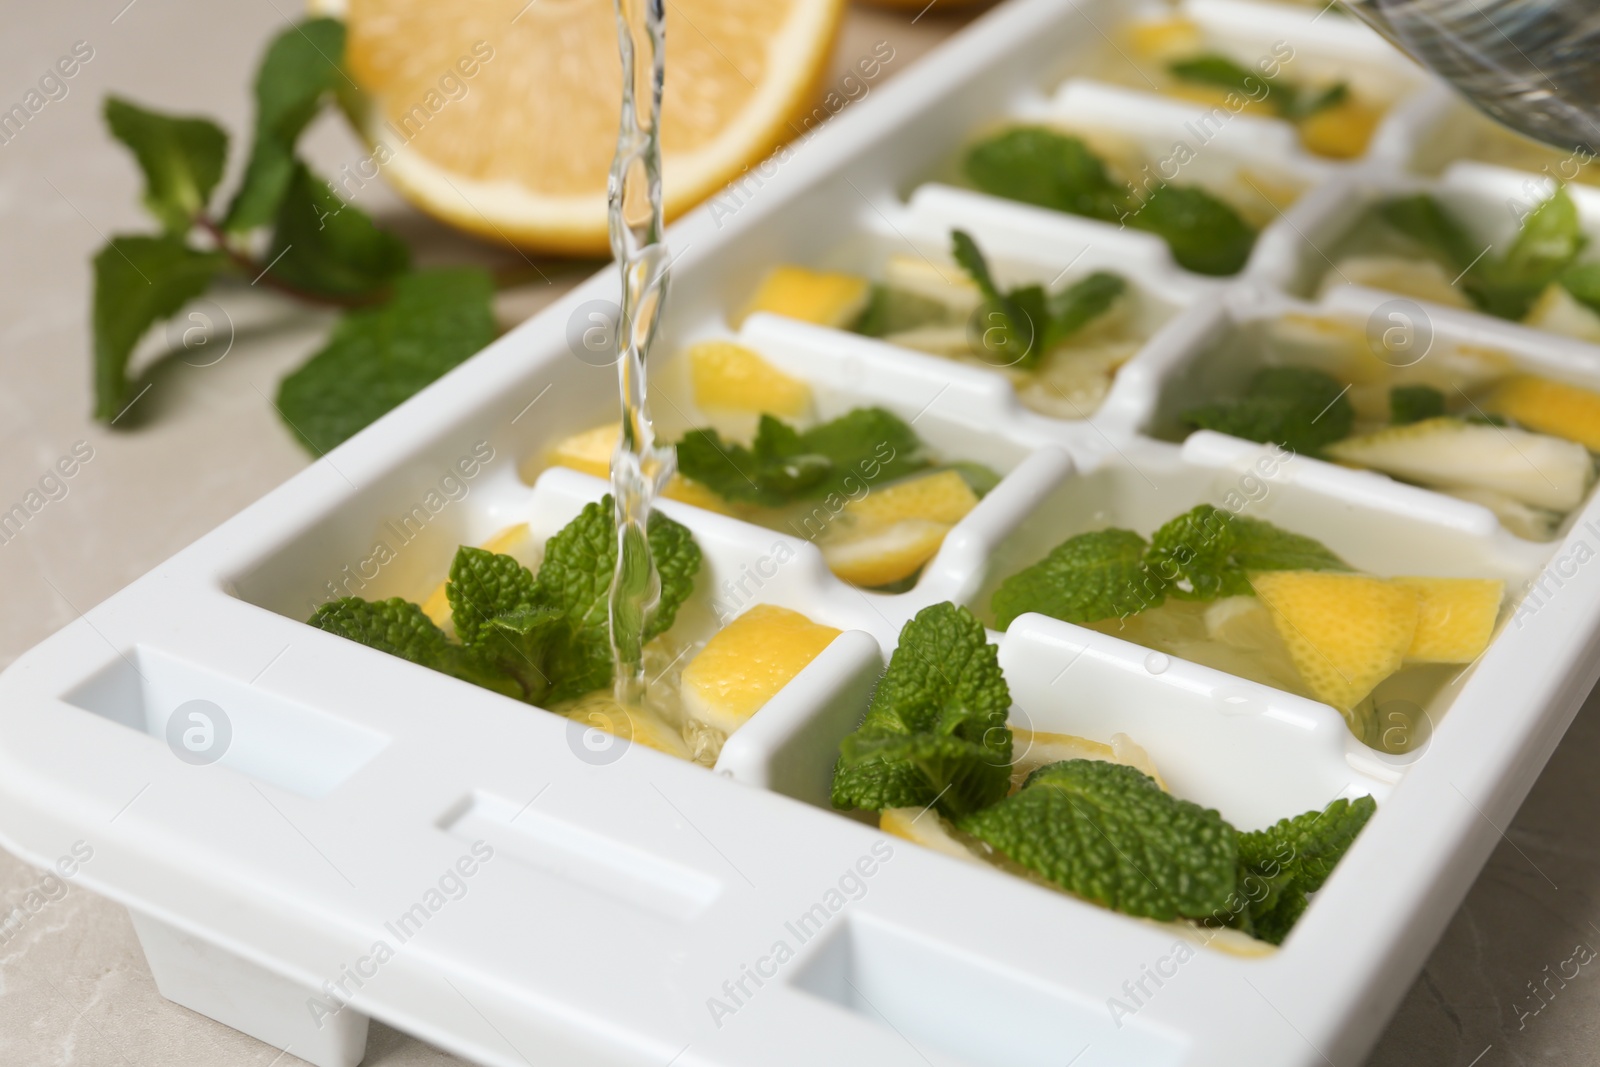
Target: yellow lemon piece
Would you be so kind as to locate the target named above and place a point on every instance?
(1544, 406)
(512, 541)
(500, 116)
(887, 535)
(885, 556)
(1345, 632)
(1342, 131)
(925, 827)
(810, 296)
(639, 725)
(747, 662)
(730, 376)
(1033, 749)
(1455, 617)
(943, 497)
(1164, 40)
(589, 452)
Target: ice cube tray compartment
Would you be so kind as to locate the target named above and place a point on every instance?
(626, 895)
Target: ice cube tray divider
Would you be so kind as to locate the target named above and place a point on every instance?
(633, 906)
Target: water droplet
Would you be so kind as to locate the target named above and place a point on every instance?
(1157, 662)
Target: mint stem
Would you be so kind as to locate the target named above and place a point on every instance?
(261, 272)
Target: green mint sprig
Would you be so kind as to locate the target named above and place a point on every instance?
(544, 639)
(1293, 102)
(1203, 554)
(935, 736)
(1303, 410)
(405, 327)
(1544, 252)
(1032, 322)
(935, 732)
(1038, 165)
(784, 465)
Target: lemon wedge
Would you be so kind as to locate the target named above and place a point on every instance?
(1554, 408)
(927, 828)
(640, 725)
(1342, 131)
(745, 664)
(733, 378)
(1036, 748)
(890, 533)
(500, 116)
(1455, 617)
(1345, 632)
(589, 452)
(810, 296)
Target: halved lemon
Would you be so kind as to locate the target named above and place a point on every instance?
(500, 116)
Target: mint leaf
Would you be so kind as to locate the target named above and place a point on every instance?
(1040, 166)
(1583, 282)
(486, 586)
(1280, 865)
(1550, 239)
(895, 310)
(496, 610)
(1086, 578)
(1014, 321)
(378, 358)
(1303, 103)
(1108, 833)
(1079, 304)
(1037, 165)
(1290, 101)
(1206, 235)
(138, 282)
(575, 581)
(1424, 220)
(300, 69)
(400, 628)
(1024, 324)
(327, 247)
(1303, 410)
(1214, 551)
(935, 732)
(1413, 403)
(182, 159)
(783, 465)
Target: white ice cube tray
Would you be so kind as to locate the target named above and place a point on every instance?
(481, 874)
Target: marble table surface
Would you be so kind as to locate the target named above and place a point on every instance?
(74, 988)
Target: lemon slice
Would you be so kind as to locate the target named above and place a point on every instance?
(810, 296)
(640, 725)
(925, 827)
(1455, 617)
(1036, 748)
(500, 116)
(589, 452)
(1554, 408)
(1342, 131)
(1345, 632)
(887, 536)
(732, 377)
(747, 662)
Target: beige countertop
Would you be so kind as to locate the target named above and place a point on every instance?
(74, 988)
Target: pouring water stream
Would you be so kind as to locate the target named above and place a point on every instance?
(639, 467)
